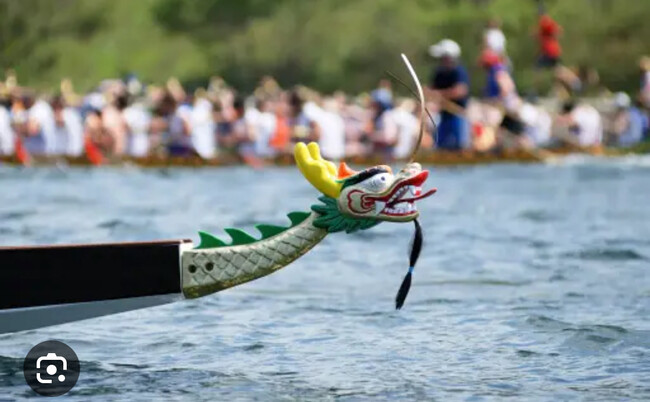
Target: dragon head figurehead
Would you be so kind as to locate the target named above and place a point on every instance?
(358, 200)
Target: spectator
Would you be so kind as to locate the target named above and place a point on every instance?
(501, 92)
(629, 123)
(644, 90)
(548, 32)
(40, 133)
(265, 125)
(331, 127)
(243, 133)
(303, 129)
(113, 120)
(494, 39)
(449, 85)
(137, 120)
(69, 128)
(402, 128)
(583, 122)
(180, 124)
(95, 132)
(7, 136)
(203, 127)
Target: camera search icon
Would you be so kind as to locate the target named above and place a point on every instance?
(51, 368)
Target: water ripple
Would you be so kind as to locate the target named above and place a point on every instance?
(520, 290)
(607, 254)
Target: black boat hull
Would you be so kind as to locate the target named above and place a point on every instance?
(42, 286)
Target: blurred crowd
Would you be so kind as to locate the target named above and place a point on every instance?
(125, 118)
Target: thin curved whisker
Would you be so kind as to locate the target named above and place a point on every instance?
(412, 91)
(423, 110)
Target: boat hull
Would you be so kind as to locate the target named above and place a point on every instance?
(436, 158)
(42, 286)
(22, 319)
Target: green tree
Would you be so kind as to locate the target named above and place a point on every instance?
(26, 25)
(328, 44)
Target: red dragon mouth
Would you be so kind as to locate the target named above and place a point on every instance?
(400, 200)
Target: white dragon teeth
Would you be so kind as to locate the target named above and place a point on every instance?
(400, 207)
(404, 207)
(399, 194)
(379, 206)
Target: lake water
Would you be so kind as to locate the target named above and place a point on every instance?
(534, 283)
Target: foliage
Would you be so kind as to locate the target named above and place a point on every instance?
(328, 44)
(27, 24)
(89, 41)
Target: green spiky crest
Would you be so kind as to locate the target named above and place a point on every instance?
(239, 237)
(332, 220)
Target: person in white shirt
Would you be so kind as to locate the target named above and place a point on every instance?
(263, 125)
(7, 136)
(537, 124)
(203, 128)
(250, 119)
(137, 120)
(69, 131)
(331, 128)
(584, 122)
(41, 127)
(401, 128)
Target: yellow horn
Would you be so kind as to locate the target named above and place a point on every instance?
(319, 172)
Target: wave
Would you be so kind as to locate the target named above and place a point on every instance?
(606, 254)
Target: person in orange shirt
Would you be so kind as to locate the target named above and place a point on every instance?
(281, 138)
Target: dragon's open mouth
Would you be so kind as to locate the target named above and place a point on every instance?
(400, 199)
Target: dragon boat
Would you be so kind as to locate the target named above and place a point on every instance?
(43, 286)
(434, 158)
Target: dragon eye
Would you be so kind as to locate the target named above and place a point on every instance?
(378, 182)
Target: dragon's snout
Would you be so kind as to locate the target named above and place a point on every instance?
(399, 202)
(387, 197)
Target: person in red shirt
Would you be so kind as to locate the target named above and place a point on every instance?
(548, 33)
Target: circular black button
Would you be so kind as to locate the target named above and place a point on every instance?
(51, 368)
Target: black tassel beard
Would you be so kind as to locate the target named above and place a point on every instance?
(403, 291)
(416, 247)
(416, 244)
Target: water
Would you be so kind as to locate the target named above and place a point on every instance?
(534, 283)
